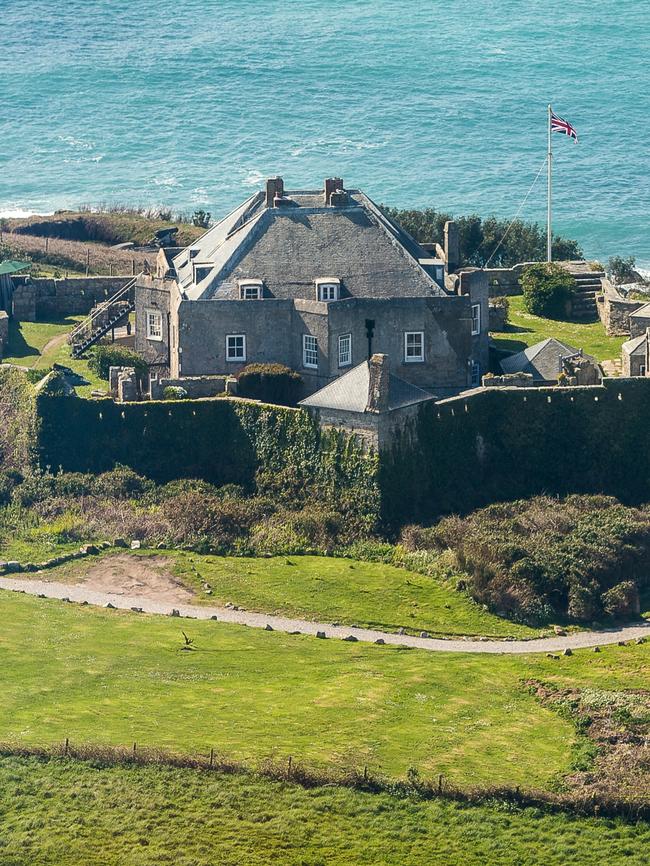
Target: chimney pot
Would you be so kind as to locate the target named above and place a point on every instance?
(274, 189)
(332, 184)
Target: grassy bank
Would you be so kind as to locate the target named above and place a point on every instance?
(105, 676)
(365, 594)
(525, 330)
(60, 813)
(38, 345)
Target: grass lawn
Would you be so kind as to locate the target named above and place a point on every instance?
(370, 595)
(113, 677)
(525, 330)
(64, 813)
(40, 344)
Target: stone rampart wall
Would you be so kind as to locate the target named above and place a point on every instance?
(46, 298)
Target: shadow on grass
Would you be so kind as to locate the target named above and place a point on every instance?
(17, 345)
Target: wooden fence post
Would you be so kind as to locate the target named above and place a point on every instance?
(65, 748)
(440, 784)
(289, 766)
(211, 758)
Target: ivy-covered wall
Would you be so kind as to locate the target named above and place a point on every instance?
(503, 444)
(222, 441)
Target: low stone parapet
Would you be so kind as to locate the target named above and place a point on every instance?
(195, 386)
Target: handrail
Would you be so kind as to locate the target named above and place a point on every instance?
(88, 321)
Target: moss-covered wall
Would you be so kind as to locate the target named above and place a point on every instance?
(222, 441)
(507, 443)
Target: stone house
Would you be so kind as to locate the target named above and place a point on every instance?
(548, 359)
(640, 321)
(634, 355)
(319, 280)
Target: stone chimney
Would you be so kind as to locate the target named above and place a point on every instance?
(452, 246)
(332, 185)
(378, 384)
(274, 189)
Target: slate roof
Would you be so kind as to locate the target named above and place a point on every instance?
(543, 360)
(349, 392)
(636, 344)
(290, 246)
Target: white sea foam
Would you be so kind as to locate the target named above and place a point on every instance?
(254, 178)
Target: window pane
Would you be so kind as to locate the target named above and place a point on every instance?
(345, 350)
(309, 351)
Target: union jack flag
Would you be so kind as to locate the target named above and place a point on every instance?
(563, 126)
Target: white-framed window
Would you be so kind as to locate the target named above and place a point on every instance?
(345, 350)
(476, 319)
(154, 325)
(642, 370)
(236, 347)
(327, 290)
(309, 351)
(475, 373)
(413, 347)
(250, 290)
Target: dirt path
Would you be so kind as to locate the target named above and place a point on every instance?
(53, 344)
(83, 592)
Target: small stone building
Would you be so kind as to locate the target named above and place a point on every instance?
(634, 355)
(548, 360)
(369, 401)
(640, 321)
(318, 280)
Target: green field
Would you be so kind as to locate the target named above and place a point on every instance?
(95, 675)
(65, 813)
(40, 344)
(525, 330)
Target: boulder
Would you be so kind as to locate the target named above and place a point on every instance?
(12, 566)
(559, 630)
(120, 542)
(136, 544)
(268, 627)
(321, 634)
(380, 641)
(351, 638)
(568, 652)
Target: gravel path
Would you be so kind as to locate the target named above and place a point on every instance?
(79, 593)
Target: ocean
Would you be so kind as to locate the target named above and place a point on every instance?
(192, 103)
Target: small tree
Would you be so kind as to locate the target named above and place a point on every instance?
(103, 357)
(622, 270)
(548, 289)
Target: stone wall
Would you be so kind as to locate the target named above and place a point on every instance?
(614, 310)
(196, 386)
(505, 281)
(499, 444)
(45, 298)
(4, 333)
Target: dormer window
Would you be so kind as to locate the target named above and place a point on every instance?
(250, 290)
(328, 289)
(201, 272)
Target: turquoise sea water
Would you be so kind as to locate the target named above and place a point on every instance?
(193, 102)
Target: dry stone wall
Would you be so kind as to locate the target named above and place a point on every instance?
(43, 298)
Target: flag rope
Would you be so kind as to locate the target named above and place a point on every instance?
(516, 216)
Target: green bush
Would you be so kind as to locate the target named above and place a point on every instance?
(104, 357)
(122, 483)
(622, 270)
(548, 289)
(271, 383)
(174, 392)
(541, 558)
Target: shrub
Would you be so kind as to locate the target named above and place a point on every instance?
(541, 558)
(174, 392)
(548, 289)
(314, 529)
(271, 383)
(622, 600)
(622, 270)
(104, 357)
(121, 483)
(213, 523)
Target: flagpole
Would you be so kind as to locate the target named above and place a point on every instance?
(549, 232)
